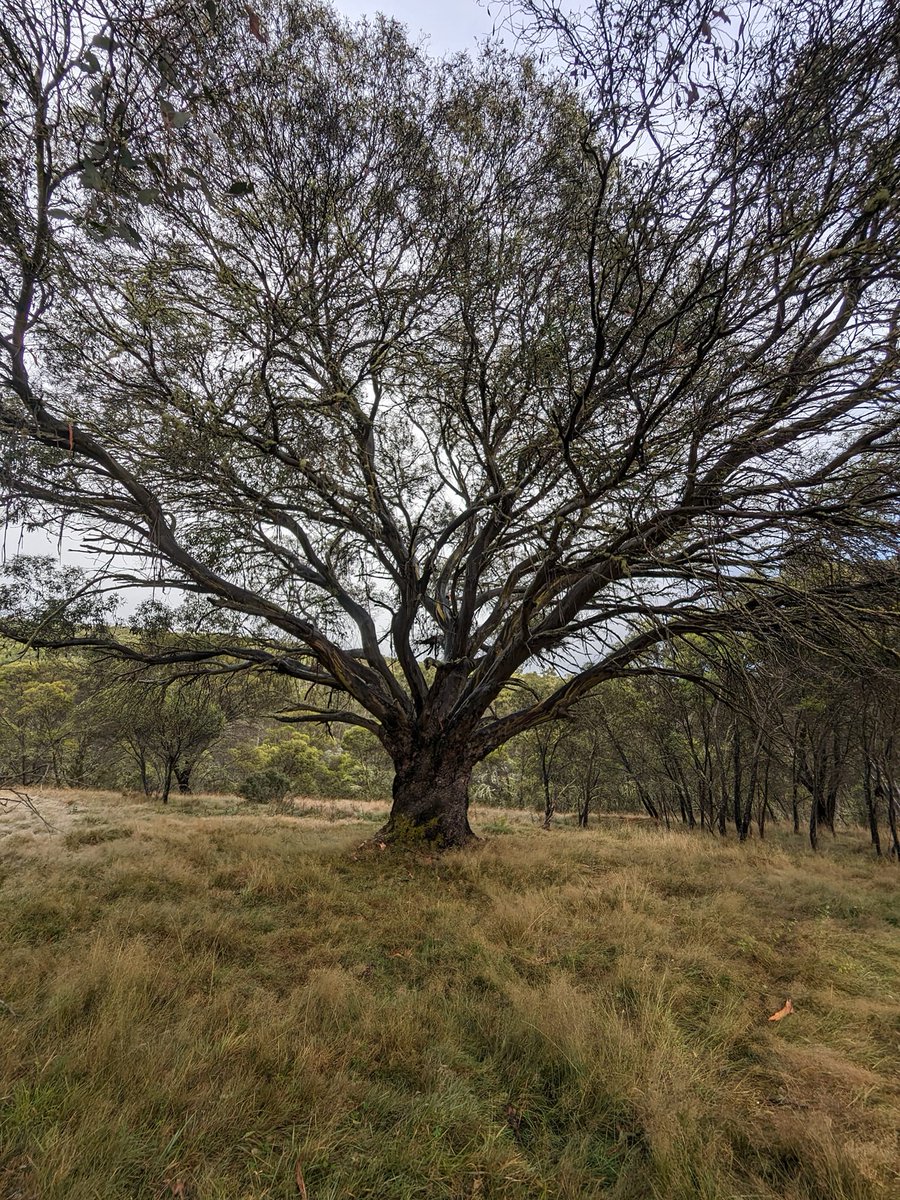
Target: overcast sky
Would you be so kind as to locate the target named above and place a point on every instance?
(451, 25)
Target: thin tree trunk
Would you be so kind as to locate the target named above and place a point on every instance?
(702, 800)
(167, 780)
(691, 819)
(648, 802)
(549, 800)
(145, 778)
(871, 806)
(747, 812)
(723, 812)
(764, 806)
(795, 807)
(737, 780)
(892, 817)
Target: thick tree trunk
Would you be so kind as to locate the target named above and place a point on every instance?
(183, 775)
(431, 799)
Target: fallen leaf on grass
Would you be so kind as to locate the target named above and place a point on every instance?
(301, 1182)
(782, 1012)
(256, 25)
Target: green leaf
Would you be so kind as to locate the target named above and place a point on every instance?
(180, 119)
(90, 177)
(98, 230)
(148, 196)
(101, 41)
(90, 63)
(240, 187)
(167, 69)
(128, 234)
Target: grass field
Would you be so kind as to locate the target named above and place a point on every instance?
(221, 1006)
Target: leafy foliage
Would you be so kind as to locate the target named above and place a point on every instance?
(266, 786)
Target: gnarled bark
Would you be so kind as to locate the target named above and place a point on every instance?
(431, 797)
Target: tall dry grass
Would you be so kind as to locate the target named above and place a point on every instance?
(198, 1002)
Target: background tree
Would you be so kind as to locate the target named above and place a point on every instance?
(167, 731)
(879, 739)
(36, 720)
(427, 370)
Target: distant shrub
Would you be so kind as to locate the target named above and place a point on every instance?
(267, 786)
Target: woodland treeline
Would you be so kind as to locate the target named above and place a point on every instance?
(724, 737)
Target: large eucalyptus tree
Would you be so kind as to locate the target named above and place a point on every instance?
(415, 370)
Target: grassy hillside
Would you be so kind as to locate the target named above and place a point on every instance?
(199, 1002)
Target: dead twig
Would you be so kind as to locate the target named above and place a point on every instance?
(11, 797)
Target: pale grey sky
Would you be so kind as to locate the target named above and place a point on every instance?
(451, 25)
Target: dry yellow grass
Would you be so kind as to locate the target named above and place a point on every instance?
(202, 998)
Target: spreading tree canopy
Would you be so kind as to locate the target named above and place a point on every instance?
(407, 372)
